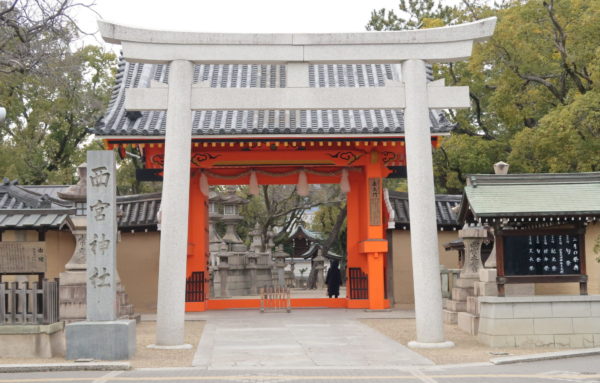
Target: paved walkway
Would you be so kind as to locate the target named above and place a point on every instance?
(305, 338)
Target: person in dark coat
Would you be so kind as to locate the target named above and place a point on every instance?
(333, 280)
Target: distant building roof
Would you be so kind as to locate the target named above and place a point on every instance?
(118, 122)
(444, 203)
(38, 207)
(23, 208)
(301, 231)
(138, 211)
(487, 196)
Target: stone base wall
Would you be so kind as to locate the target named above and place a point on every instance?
(540, 321)
(32, 341)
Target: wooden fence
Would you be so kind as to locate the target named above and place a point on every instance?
(275, 298)
(359, 284)
(28, 303)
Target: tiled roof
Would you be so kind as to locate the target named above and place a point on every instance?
(118, 122)
(33, 219)
(138, 211)
(38, 207)
(14, 196)
(444, 203)
(529, 195)
(21, 207)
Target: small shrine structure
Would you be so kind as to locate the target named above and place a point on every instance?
(545, 228)
(288, 109)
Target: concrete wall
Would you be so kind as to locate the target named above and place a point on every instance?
(592, 235)
(60, 246)
(137, 263)
(403, 279)
(540, 321)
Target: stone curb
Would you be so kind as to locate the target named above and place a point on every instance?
(51, 367)
(545, 356)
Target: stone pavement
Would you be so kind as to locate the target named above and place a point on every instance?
(304, 338)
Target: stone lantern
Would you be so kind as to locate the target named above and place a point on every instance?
(232, 203)
(279, 255)
(214, 215)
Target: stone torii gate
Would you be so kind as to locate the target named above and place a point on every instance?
(414, 94)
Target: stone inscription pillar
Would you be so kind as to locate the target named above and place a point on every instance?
(101, 236)
(170, 309)
(102, 336)
(421, 198)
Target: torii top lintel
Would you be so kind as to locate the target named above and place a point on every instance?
(446, 44)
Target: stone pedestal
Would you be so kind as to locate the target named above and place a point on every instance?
(319, 267)
(456, 309)
(105, 340)
(223, 275)
(279, 256)
(252, 264)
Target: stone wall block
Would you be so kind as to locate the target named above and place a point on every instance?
(502, 310)
(553, 325)
(562, 340)
(523, 311)
(595, 309)
(541, 310)
(586, 325)
(532, 341)
(596, 340)
(571, 309)
(506, 326)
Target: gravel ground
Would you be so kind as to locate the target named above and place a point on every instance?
(467, 349)
(150, 357)
(144, 357)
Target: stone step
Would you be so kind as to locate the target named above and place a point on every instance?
(485, 289)
(457, 306)
(468, 323)
(461, 293)
(488, 275)
(450, 317)
(473, 305)
(445, 303)
(465, 282)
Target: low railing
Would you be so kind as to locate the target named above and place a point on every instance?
(29, 303)
(448, 278)
(275, 298)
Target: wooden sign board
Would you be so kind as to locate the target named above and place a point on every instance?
(22, 257)
(543, 254)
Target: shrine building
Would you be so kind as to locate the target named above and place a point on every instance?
(288, 109)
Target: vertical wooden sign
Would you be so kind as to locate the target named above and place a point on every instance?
(374, 201)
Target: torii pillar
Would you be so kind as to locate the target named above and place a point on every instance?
(297, 51)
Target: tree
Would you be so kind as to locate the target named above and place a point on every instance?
(537, 68)
(52, 94)
(280, 207)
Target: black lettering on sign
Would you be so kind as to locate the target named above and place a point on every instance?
(542, 254)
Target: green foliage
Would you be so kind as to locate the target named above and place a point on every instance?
(533, 86)
(52, 94)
